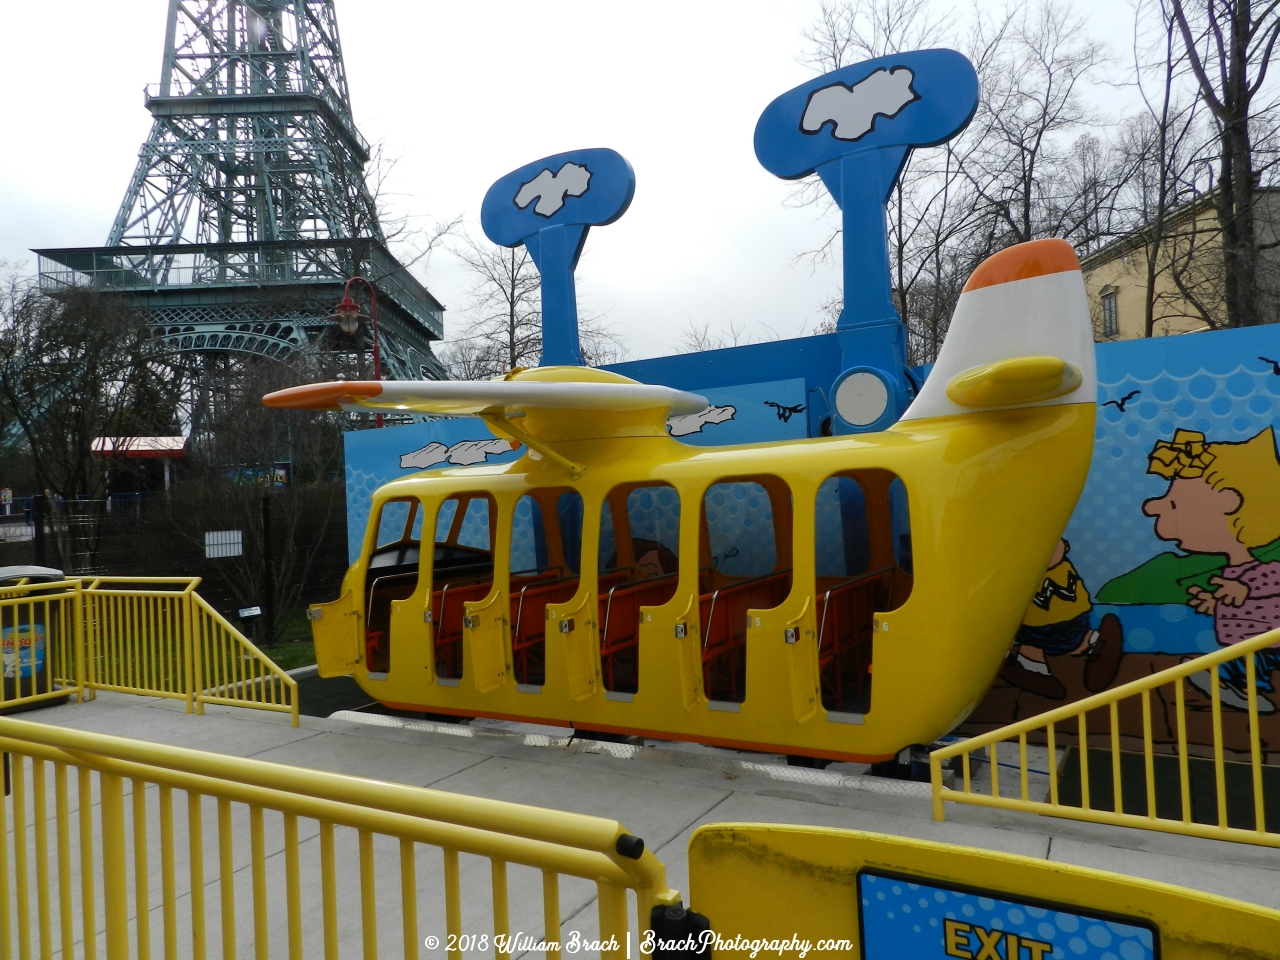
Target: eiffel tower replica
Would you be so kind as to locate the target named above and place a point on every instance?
(249, 210)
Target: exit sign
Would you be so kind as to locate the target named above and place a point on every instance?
(901, 917)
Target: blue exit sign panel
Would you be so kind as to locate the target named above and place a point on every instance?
(902, 918)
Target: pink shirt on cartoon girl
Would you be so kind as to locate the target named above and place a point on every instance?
(1260, 611)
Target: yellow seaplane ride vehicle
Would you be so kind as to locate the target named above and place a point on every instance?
(869, 604)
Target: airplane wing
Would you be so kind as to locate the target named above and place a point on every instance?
(462, 397)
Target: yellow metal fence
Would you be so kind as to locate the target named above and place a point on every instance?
(1088, 736)
(153, 636)
(121, 848)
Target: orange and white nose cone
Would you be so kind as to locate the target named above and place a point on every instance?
(1026, 301)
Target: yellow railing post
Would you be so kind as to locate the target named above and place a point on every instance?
(18, 786)
(195, 863)
(452, 905)
(190, 654)
(368, 895)
(79, 653)
(501, 916)
(42, 856)
(141, 884)
(935, 779)
(114, 881)
(408, 899)
(611, 904)
(551, 912)
(88, 913)
(293, 886)
(6, 946)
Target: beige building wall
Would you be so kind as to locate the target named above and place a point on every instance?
(1126, 276)
(1121, 269)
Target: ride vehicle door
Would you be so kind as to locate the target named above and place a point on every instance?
(335, 629)
(395, 599)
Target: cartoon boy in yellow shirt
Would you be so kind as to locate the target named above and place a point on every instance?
(1058, 622)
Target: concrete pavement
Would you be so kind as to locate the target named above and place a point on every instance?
(661, 794)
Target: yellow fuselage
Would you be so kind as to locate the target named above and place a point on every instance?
(990, 494)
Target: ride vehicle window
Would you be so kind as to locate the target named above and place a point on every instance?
(841, 536)
(545, 557)
(392, 574)
(900, 520)
(862, 543)
(745, 564)
(638, 552)
(528, 538)
(444, 519)
(569, 516)
(462, 572)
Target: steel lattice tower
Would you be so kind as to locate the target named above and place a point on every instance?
(249, 209)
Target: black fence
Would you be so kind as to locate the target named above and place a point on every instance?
(277, 551)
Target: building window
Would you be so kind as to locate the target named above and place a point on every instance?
(1110, 318)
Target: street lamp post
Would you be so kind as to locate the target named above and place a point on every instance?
(348, 315)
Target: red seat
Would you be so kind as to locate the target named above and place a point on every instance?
(846, 616)
(529, 602)
(529, 624)
(447, 611)
(620, 627)
(724, 631)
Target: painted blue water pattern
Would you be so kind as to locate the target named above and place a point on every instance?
(901, 920)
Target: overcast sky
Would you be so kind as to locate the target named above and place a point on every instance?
(459, 93)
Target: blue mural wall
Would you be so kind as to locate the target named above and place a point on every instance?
(1212, 383)
(375, 457)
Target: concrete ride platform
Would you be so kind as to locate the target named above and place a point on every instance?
(660, 791)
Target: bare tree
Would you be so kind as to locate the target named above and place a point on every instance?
(233, 468)
(697, 337)
(1229, 46)
(848, 31)
(505, 306)
(1162, 152)
(72, 369)
(505, 310)
(1035, 64)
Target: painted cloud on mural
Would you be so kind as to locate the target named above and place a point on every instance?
(694, 422)
(461, 454)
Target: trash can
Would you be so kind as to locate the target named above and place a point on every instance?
(24, 642)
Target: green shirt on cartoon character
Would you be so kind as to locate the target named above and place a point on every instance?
(1224, 498)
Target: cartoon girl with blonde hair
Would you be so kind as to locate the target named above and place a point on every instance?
(1224, 498)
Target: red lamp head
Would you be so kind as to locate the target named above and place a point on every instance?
(347, 314)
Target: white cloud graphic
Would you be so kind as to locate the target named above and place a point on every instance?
(853, 110)
(464, 453)
(694, 422)
(550, 189)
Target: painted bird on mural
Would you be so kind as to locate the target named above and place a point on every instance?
(785, 413)
(1120, 404)
(1275, 365)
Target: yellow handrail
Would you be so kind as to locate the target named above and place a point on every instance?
(231, 670)
(552, 842)
(132, 635)
(1110, 701)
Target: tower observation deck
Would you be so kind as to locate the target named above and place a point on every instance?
(249, 208)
